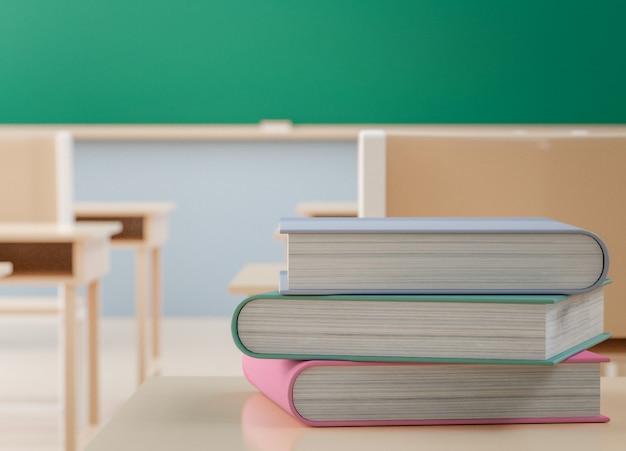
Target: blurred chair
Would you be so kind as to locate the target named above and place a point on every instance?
(39, 237)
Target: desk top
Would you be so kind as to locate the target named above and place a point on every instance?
(6, 268)
(49, 253)
(227, 413)
(144, 223)
(46, 232)
(324, 209)
(256, 278)
(123, 209)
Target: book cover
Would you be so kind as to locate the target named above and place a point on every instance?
(532, 329)
(267, 427)
(343, 393)
(440, 255)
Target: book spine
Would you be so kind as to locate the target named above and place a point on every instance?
(275, 379)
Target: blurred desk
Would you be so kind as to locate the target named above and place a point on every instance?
(145, 229)
(69, 256)
(327, 209)
(227, 413)
(256, 278)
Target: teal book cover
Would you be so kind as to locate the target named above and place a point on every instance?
(525, 329)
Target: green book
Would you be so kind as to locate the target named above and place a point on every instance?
(533, 329)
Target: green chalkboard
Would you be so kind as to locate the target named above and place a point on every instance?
(314, 61)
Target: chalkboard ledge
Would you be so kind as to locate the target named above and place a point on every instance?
(213, 132)
(276, 131)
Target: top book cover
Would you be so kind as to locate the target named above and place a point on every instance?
(440, 255)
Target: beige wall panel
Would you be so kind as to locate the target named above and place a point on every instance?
(579, 180)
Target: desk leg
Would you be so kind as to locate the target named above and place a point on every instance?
(156, 309)
(140, 310)
(68, 293)
(93, 308)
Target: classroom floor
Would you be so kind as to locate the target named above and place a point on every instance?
(29, 372)
(30, 375)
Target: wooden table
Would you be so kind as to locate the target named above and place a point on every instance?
(145, 230)
(67, 256)
(313, 209)
(255, 278)
(228, 414)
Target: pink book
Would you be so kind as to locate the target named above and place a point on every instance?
(343, 393)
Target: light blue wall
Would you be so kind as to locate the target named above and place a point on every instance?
(229, 196)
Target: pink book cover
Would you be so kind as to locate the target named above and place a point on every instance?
(275, 378)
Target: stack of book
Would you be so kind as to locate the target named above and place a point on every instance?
(399, 321)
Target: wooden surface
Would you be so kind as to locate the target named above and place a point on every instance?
(46, 232)
(227, 413)
(326, 209)
(256, 278)
(35, 177)
(126, 209)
